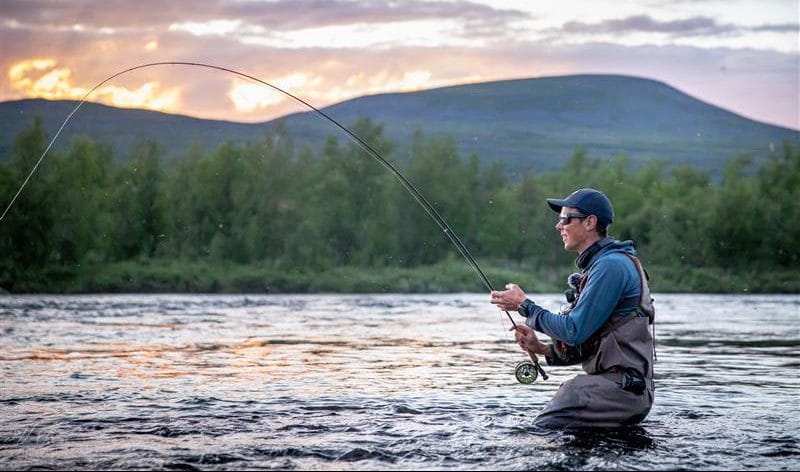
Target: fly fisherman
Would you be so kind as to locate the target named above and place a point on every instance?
(605, 328)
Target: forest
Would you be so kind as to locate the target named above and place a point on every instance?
(274, 216)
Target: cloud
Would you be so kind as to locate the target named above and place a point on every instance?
(40, 78)
(251, 96)
(696, 26)
(333, 24)
(644, 23)
(778, 28)
(348, 24)
(207, 28)
(280, 15)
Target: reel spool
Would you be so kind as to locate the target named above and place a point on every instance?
(526, 372)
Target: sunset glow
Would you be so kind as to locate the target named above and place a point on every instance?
(41, 78)
(248, 97)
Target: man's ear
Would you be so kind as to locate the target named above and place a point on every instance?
(591, 223)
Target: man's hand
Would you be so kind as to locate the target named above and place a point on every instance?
(528, 341)
(510, 299)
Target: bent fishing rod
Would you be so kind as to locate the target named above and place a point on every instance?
(426, 205)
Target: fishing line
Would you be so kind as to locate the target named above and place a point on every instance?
(426, 205)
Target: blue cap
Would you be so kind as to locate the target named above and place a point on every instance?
(589, 201)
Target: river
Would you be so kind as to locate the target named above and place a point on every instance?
(189, 382)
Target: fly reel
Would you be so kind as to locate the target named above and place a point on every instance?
(526, 372)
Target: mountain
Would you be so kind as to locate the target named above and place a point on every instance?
(122, 128)
(525, 123)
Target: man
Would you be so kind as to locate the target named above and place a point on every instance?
(606, 326)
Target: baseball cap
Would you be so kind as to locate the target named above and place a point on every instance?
(589, 201)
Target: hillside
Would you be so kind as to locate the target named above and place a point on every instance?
(525, 123)
(119, 127)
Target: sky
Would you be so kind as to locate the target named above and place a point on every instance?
(741, 55)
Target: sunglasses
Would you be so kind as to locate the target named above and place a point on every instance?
(566, 219)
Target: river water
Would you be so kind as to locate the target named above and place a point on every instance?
(190, 382)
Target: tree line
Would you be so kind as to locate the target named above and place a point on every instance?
(272, 203)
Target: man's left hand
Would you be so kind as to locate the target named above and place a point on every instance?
(510, 299)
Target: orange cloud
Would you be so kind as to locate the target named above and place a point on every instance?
(40, 78)
(248, 97)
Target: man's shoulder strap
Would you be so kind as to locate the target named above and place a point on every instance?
(645, 300)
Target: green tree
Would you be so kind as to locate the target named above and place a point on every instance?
(496, 218)
(538, 242)
(25, 232)
(736, 226)
(305, 246)
(682, 220)
(220, 175)
(140, 219)
(448, 184)
(266, 205)
(349, 210)
(182, 191)
(778, 187)
(82, 179)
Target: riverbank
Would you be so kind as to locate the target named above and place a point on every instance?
(173, 276)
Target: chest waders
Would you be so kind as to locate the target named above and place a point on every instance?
(618, 388)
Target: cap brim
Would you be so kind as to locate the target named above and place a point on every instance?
(556, 204)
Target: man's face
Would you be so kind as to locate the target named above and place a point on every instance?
(573, 231)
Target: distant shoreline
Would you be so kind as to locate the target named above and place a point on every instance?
(446, 277)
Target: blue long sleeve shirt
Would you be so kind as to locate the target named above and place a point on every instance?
(613, 277)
